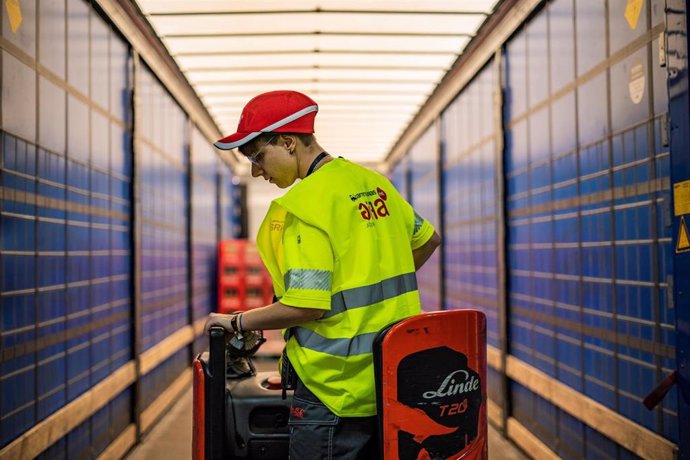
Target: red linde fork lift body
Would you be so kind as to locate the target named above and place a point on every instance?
(431, 387)
(430, 383)
(238, 413)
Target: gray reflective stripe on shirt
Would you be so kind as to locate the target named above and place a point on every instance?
(418, 221)
(357, 345)
(367, 295)
(308, 279)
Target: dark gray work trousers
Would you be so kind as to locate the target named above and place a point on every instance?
(317, 433)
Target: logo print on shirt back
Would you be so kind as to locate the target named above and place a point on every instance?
(373, 209)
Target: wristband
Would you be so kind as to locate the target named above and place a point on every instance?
(233, 324)
(239, 323)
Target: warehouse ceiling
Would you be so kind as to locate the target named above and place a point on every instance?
(369, 65)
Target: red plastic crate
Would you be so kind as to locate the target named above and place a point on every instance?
(254, 298)
(241, 270)
(253, 302)
(251, 254)
(231, 251)
(267, 288)
(254, 275)
(231, 275)
(230, 304)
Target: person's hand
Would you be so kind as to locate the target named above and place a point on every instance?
(218, 319)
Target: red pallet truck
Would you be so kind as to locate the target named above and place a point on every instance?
(431, 387)
(430, 382)
(239, 413)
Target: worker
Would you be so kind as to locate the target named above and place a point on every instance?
(342, 247)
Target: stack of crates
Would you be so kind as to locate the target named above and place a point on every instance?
(243, 281)
(255, 278)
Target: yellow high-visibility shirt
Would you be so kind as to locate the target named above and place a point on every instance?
(341, 240)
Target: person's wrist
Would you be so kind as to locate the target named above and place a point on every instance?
(236, 325)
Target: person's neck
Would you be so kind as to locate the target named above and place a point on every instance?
(308, 157)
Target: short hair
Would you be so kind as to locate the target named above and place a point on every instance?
(250, 147)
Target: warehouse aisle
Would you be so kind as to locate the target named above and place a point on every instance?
(171, 438)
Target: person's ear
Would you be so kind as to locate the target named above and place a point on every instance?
(290, 143)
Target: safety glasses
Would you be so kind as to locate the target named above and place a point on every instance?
(257, 157)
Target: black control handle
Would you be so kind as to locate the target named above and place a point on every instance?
(215, 395)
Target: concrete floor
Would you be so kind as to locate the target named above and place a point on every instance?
(171, 437)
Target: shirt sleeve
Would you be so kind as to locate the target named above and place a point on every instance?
(423, 231)
(308, 262)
